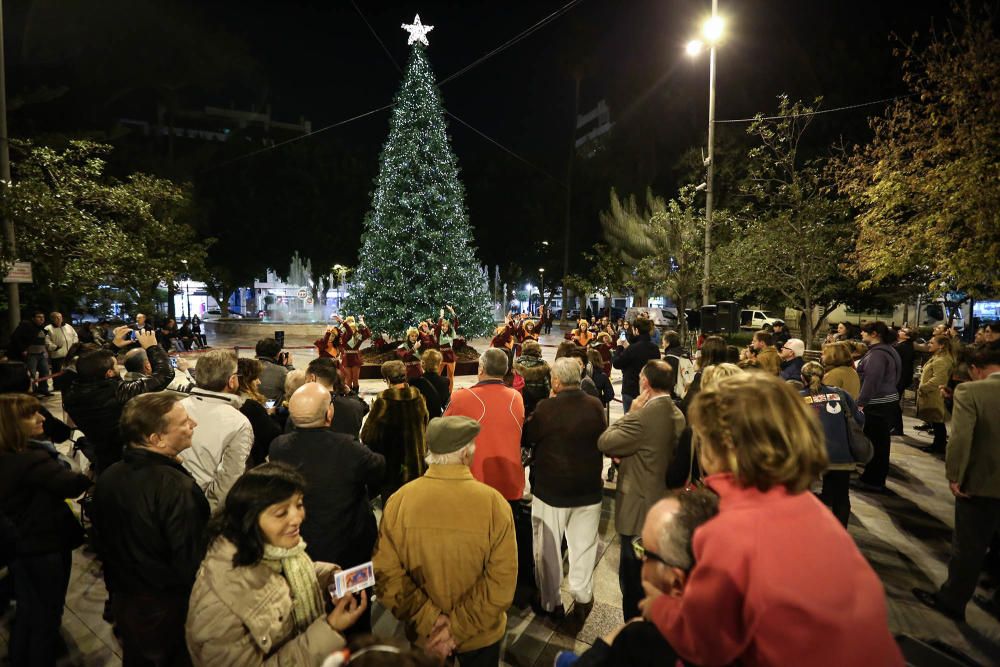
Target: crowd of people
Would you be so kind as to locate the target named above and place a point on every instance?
(222, 500)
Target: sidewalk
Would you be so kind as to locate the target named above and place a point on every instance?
(905, 535)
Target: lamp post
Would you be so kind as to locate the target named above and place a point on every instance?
(712, 33)
(187, 294)
(541, 290)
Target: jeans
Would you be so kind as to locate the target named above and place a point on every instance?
(40, 584)
(976, 520)
(38, 366)
(629, 578)
(879, 419)
(487, 656)
(836, 494)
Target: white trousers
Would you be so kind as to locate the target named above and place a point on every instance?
(579, 525)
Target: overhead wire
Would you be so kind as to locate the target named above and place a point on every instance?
(818, 111)
(377, 38)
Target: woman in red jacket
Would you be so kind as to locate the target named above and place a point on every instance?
(409, 352)
(329, 345)
(777, 580)
(355, 334)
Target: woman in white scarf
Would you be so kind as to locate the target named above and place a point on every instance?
(259, 598)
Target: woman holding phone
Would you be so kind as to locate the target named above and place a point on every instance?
(258, 597)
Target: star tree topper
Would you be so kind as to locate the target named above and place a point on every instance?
(418, 31)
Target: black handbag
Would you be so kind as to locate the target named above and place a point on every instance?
(861, 447)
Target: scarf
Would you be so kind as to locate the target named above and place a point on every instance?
(298, 570)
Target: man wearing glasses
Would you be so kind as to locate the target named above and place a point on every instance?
(664, 549)
(223, 437)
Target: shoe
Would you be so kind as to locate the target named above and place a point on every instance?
(565, 659)
(858, 485)
(924, 428)
(932, 449)
(581, 610)
(987, 605)
(558, 613)
(930, 599)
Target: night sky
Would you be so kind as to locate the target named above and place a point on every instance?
(319, 60)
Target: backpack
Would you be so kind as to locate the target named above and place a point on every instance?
(685, 375)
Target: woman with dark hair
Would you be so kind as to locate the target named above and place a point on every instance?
(446, 331)
(713, 352)
(259, 598)
(39, 530)
(879, 370)
(834, 407)
(265, 427)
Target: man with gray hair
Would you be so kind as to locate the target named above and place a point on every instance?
(452, 594)
(567, 489)
(500, 413)
(223, 438)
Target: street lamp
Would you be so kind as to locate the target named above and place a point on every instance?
(541, 287)
(711, 32)
(187, 294)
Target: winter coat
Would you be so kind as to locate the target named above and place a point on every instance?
(631, 360)
(880, 371)
(96, 406)
(792, 369)
(602, 382)
(500, 413)
(340, 526)
(221, 444)
(844, 377)
(243, 616)
(563, 433)
(149, 520)
(440, 384)
(27, 338)
(34, 486)
(265, 429)
(904, 349)
(348, 413)
(754, 598)
(272, 379)
(60, 340)
(446, 546)
(973, 458)
(935, 374)
(834, 408)
(645, 440)
(537, 380)
(431, 398)
(395, 429)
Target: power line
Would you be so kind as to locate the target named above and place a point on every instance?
(816, 113)
(377, 38)
(507, 150)
(513, 40)
(300, 137)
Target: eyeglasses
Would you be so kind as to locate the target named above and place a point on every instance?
(642, 553)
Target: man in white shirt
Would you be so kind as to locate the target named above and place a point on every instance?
(60, 338)
(223, 437)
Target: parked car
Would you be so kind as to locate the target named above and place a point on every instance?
(755, 319)
(665, 318)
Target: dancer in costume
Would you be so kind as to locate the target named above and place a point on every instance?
(351, 340)
(446, 331)
(329, 345)
(409, 353)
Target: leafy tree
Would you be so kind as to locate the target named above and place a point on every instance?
(793, 237)
(417, 252)
(628, 237)
(927, 186)
(83, 230)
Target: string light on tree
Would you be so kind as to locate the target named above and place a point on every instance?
(418, 31)
(417, 253)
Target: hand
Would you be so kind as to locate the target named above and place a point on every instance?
(147, 339)
(623, 343)
(451, 310)
(416, 346)
(616, 460)
(441, 645)
(346, 611)
(183, 364)
(956, 490)
(646, 604)
(120, 339)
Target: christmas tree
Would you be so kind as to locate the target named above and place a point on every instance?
(417, 253)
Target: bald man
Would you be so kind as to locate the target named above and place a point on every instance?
(665, 551)
(340, 525)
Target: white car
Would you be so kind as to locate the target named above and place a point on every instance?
(662, 317)
(755, 319)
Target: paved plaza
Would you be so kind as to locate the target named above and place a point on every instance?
(905, 534)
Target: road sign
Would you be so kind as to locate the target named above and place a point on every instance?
(20, 272)
(302, 293)
(309, 301)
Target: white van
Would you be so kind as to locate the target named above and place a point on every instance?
(755, 319)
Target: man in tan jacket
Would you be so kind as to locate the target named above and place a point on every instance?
(645, 440)
(446, 559)
(972, 464)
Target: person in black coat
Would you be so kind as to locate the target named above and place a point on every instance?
(265, 427)
(149, 528)
(904, 346)
(595, 371)
(94, 401)
(629, 358)
(40, 532)
(431, 362)
(340, 525)
(349, 410)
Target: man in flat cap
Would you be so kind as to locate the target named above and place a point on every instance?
(446, 559)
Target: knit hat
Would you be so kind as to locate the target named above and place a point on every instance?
(796, 346)
(449, 434)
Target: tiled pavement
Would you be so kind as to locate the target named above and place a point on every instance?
(905, 535)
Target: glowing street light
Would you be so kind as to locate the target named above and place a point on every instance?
(713, 27)
(694, 47)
